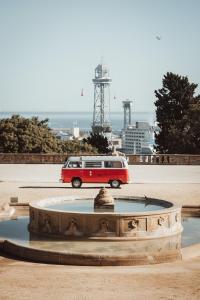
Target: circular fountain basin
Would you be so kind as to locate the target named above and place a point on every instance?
(19, 242)
(132, 219)
(81, 231)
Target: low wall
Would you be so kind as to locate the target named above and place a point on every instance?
(171, 159)
(29, 158)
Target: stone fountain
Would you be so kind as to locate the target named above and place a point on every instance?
(102, 221)
(105, 230)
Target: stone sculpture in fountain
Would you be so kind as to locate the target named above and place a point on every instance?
(103, 201)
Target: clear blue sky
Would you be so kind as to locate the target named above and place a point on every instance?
(50, 48)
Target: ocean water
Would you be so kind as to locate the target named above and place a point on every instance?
(82, 120)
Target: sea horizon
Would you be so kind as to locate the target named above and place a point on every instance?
(68, 111)
(81, 119)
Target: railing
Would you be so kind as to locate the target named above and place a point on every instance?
(160, 159)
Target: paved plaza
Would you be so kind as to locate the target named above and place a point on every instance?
(139, 173)
(25, 280)
(33, 182)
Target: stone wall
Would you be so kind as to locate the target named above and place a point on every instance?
(29, 158)
(172, 159)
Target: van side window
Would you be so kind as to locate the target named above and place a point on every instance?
(93, 164)
(74, 164)
(112, 164)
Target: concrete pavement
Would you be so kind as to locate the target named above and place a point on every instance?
(24, 280)
(139, 173)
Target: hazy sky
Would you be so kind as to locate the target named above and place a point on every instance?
(50, 48)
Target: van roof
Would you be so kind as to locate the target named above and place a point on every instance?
(97, 158)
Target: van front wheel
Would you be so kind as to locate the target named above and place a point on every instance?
(115, 183)
(76, 182)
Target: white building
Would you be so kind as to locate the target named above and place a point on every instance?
(139, 138)
(116, 141)
(67, 134)
(75, 132)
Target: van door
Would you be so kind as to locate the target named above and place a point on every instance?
(72, 170)
(113, 170)
(93, 171)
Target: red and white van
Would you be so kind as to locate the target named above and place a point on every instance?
(95, 169)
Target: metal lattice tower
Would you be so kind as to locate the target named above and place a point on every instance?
(127, 104)
(101, 113)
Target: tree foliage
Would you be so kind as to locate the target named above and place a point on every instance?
(99, 141)
(23, 135)
(78, 147)
(178, 116)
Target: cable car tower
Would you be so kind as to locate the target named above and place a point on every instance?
(127, 105)
(101, 113)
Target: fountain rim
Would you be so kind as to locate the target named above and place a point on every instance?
(38, 205)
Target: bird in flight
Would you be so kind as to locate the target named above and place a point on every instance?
(158, 37)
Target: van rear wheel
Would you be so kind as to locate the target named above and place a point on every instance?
(76, 182)
(115, 183)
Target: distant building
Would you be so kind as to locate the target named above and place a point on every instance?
(116, 142)
(139, 138)
(75, 132)
(67, 134)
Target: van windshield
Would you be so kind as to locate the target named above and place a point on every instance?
(74, 164)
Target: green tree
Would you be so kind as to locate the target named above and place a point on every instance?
(23, 135)
(178, 116)
(78, 147)
(99, 141)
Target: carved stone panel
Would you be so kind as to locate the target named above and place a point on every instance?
(71, 225)
(33, 225)
(48, 222)
(104, 228)
(158, 222)
(72, 228)
(101, 226)
(45, 224)
(132, 226)
(177, 217)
